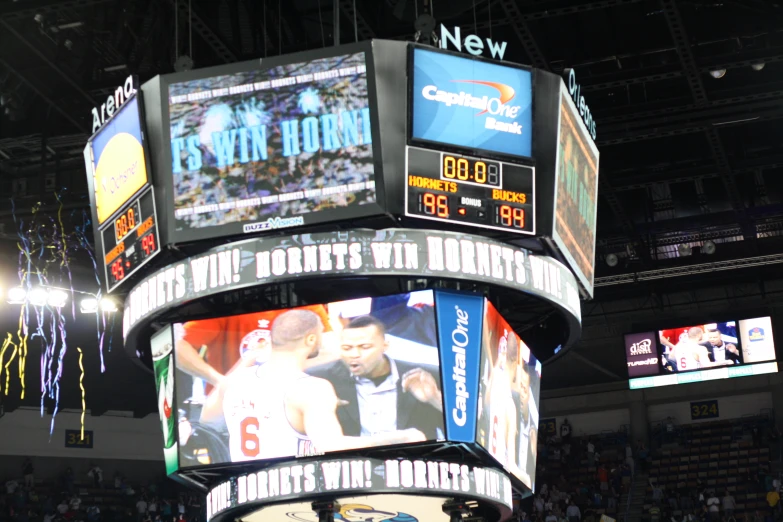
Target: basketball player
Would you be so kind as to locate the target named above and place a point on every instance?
(277, 410)
(501, 407)
(688, 354)
(522, 400)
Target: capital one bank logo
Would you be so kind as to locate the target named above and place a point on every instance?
(496, 106)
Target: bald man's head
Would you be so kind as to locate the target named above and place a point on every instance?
(296, 328)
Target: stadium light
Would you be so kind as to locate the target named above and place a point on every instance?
(57, 298)
(108, 305)
(17, 295)
(38, 296)
(88, 305)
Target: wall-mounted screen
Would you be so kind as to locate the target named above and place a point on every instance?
(576, 193)
(309, 380)
(272, 148)
(700, 352)
(471, 104)
(509, 387)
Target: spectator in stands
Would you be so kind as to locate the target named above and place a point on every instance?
(10, 486)
(538, 504)
(551, 517)
(773, 499)
(75, 503)
(141, 509)
(729, 504)
(165, 510)
(68, 479)
(96, 474)
(27, 470)
(713, 506)
(655, 513)
(590, 453)
(62, 507)
(565, 431)
(152, 508)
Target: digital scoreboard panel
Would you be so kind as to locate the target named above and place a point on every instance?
(480, 192)
(130, 240)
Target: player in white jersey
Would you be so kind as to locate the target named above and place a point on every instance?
(276, 410)
(688, 354)
(502, 410)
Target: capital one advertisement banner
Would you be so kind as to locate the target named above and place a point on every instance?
(470, 103)
(393, 252)
(459, 331)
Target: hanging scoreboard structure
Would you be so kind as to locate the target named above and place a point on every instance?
(385, 160)
(121, 194)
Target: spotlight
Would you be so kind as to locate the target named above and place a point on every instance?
(611, 259)
(38, 296)
(684, 250)
(758, 66)
(57, 298)
(708, 247)
(718, 73)
(108, 305)
(88, 305)
(16, 295)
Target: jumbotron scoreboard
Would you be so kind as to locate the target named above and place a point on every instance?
(126, 235)
(468, 159)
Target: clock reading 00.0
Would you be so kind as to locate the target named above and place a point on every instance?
(131, 240)
(469, 191)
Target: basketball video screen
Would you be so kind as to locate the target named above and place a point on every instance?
(508, 398)
(309, 380)
(272, 148)
(700, 351)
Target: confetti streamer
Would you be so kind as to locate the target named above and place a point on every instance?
(81, 387)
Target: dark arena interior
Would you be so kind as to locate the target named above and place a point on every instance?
(391, 260)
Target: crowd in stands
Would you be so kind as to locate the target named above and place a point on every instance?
(580, 479)
(714, 471)
(92, 499)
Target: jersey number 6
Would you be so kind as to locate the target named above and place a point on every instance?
(249, 438)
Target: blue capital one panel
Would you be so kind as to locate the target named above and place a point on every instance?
(472, 104)
(460, 318)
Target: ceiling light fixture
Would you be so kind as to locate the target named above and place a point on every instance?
(38, 296)
(88, 305)
(708, 247)
(684, 250)
(718, 73)
(612, 260)
(16, 295)
(758, 66)
(57, 298)
(108, 305)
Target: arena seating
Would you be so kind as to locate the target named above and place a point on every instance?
(719, 456)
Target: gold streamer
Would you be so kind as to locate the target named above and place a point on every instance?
(2, 356)
(22, 351)
(81, 386)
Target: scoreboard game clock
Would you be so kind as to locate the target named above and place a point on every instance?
(130, 240)
(460, 189)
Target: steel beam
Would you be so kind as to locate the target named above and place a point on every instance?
(28, 9)
(220, 48)
(363, 29)
(521, 29)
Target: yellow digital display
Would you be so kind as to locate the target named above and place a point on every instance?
(119, 164)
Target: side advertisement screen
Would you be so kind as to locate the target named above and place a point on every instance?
(272, 148)
(700, 352)
(508, 398)
(163, 366)
(309, 380)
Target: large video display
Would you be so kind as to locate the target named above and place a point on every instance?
(272, 148)
(508, 398)
(309, 380)
(471, 104)
(700, 352)
(576, 193)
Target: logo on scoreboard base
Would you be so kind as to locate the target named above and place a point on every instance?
(273, 224)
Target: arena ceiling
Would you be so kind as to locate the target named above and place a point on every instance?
(686, 95)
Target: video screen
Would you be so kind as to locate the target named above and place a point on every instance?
(116, 161)
(576, 189)
(272, 148)
(700, 351)
(471, 103)
(509, 389)
(309, 380)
